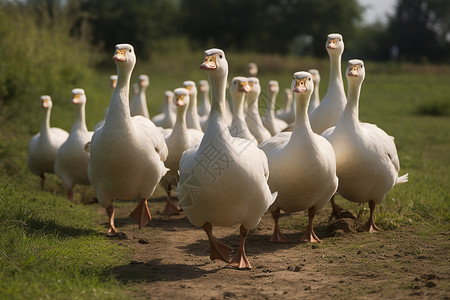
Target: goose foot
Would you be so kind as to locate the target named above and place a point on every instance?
(239, 259)
(370, 225)
(309, 235)
(141, 214)
(277, 236)
(217, 250)
(171, 208)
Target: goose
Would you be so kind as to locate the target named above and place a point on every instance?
(302, 165)
(287, 114)
(270, 121)
(44, 145)
(138, 106)
(238, 89)
(192, 118)
(332, 105)
(166, 119)
(252, 69)
(72, 160)
(205, 105)
(127, 153)
(316, 98)
(223, 182)
(252, 117)
(180, 139)
(113, 82)
(366, 156)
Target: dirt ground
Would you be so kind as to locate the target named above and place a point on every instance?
(171, 260)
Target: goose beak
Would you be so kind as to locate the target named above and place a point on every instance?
(44, 103)
(244, 87)
(120, 55)
(113, 83)
(332, 44)
(209, 63)
(180, 100)
(272, 88)
(250, 85)
(353, 71)
(300, 85)
(76, 99)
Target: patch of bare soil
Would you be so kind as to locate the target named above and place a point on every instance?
(171, 260)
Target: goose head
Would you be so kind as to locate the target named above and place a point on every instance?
(191, 87)
(124, 57)
(302, 83)
(255, 87)
(315, 76)
(113, 79)
(239, 85)
(288, 95)
(335, 44)
(203, 86)
(181, 97)
(273, 87)
(46, 102)
(355, 71)
(252, 69)
(78, 97)
(168, 95)
(215, 62)
(143, 81)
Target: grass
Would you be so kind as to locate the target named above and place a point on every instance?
(52, 249)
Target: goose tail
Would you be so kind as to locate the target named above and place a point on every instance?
(402, 179)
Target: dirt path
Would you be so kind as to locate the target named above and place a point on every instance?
(171, 260)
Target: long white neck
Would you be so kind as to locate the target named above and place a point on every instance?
(238, 105)
(351, 111)
(181, 118)
(193, 101)
(301, 115)
(218, 86)
(80, 118)
(335, 71)
(45, 126)
(271, 107)
(119, 109)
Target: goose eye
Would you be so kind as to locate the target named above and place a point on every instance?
(220, 55)
(309, 79)
(129, 50)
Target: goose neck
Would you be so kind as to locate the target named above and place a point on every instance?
(80, 118)
(335, 70)
(352, 107)
(301, 113)
(119, 108)
(238, 105)
(45, 126)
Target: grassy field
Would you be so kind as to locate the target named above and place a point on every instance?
(50, 248)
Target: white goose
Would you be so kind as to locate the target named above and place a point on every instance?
(366, 156)
(302, 164)
(287, 114)
(270, 121)
(44, 145)
(192, 118)
(332, 105)
(138, 106)
(127, 153)
(238, 89)
(166, 119)
(180, 139)
(205, 105)
(252, 117)
(315, 101)
(72, 160)
(222, 181)
(113, 81)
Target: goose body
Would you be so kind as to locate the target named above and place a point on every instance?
(270, 121)
(72, 160)
(138, 106)
(192, 117)
(166, 119)
(332, 105)
(180, 139)
(366, 156)
(252, 117)
(223, 181)
(302, 164)
(44, 145)
(127, 153)
(315, 100)
(238, 89)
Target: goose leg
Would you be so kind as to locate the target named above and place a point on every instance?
(112, 231)
(171, 207)
(141, 214)
(277, 236)
(240, 260)
(42, 176)
(370, 225)
(217, 250)
(309, 235)
(338, 212)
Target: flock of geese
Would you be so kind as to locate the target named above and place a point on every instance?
(229, 168)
